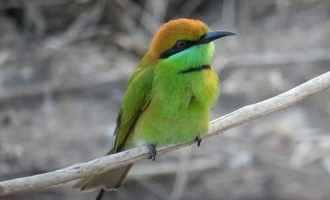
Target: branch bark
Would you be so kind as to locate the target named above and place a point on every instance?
(240, 116)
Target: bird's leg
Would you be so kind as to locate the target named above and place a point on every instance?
(198, 140)
(152, 151)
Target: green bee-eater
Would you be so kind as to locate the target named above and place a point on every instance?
(169, 96)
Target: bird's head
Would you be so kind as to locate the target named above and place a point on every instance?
(184, 43)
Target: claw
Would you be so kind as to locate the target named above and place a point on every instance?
(152, 151)
(198, 140)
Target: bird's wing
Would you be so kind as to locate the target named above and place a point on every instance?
(135, 101)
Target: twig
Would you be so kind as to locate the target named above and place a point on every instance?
(154, 11)
(247, 113)
(149, 22)
(76, 30)
(39, 91)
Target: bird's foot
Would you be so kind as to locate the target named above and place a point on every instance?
(198, 141)
(152, 151)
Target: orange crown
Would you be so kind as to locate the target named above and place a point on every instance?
(170, 32)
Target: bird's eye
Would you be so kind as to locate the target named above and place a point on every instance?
(180, 44)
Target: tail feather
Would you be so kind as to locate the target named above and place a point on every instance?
(100, 194)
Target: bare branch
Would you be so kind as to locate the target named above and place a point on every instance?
(247, 113)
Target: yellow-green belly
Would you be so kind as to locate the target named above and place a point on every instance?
(179, 113)
(160, 129)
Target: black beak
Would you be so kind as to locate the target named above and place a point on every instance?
(211, 36)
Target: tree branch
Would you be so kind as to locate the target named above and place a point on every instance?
(247, 113)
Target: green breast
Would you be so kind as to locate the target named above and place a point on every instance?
(156, 127)
(175, 114)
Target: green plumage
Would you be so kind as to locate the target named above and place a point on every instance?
(163, 106)
(177, 106)
(169, 96)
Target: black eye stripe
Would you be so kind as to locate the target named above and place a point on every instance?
(203, 36)
(180, 45)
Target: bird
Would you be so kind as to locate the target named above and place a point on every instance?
(168, 97)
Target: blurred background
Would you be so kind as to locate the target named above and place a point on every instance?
(64, 65)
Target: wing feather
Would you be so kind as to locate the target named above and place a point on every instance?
(135, 101)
